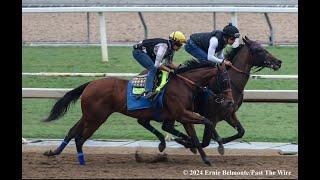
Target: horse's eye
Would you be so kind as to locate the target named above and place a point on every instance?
(260, 53)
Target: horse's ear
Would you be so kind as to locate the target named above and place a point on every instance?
(247, 38)
(245, 41)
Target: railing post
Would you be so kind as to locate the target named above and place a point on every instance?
(144, 25)
(271, 36)
(103, 37)
(234, 20)
(214, 21)
(88, 28)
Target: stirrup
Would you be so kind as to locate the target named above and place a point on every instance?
(150, 95)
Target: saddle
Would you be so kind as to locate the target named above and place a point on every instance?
(139, 82)
(136, 93)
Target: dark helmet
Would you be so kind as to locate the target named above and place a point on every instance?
(231, 31)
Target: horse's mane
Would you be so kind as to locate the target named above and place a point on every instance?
(234, 52)
(193, 64)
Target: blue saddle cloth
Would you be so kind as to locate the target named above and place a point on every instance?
(142, 102)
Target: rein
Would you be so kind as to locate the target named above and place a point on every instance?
(190, 82)
(238, 70)
(204, 89)
(242, 72)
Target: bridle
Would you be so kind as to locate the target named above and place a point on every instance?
(245, 73)
(217, 98)
(239, 71)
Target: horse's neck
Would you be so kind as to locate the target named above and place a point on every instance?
(201, 76)
(241, 62)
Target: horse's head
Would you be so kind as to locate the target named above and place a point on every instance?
(260, 56)
(219, 85)
(204, 73)
(216, 103)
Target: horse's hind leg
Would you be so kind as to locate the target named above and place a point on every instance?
(71, 134)
(89, 127)
(146, 124)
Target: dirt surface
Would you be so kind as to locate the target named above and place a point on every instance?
(148, 163)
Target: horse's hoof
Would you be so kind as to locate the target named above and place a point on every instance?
(48, 153)
(221, 150)
(193, 150)
(162, 146)
(207, 162)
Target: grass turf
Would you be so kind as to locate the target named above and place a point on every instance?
(262, 121)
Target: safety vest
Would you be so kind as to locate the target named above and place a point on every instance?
(149, 44)
(202, 40)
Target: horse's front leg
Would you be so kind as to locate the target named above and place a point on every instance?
(187, 143)
(187, 117)
(146, 124)
(212, 134)
(194, 138)
(189, 128)
(207, 136)
(218, 139)
(235, 123)
(168, 125)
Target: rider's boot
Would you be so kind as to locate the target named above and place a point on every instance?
(149, 83)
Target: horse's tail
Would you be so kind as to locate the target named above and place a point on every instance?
(62, 105)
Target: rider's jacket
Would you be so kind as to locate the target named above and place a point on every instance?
(157, 49)
(202, 40)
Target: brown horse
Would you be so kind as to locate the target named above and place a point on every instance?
(243, 58)
(100, 98)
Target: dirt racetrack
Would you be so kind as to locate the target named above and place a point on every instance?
(178, 163)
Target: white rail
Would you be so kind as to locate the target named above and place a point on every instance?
(162, 9)
(56, 74)
(249, 95)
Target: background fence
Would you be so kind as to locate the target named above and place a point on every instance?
(249, 95)
(161, 17)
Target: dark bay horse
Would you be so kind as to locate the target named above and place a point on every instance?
(100, 98)
(243, 58)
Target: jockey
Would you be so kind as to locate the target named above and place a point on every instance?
(151, 52)
(209, 45)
